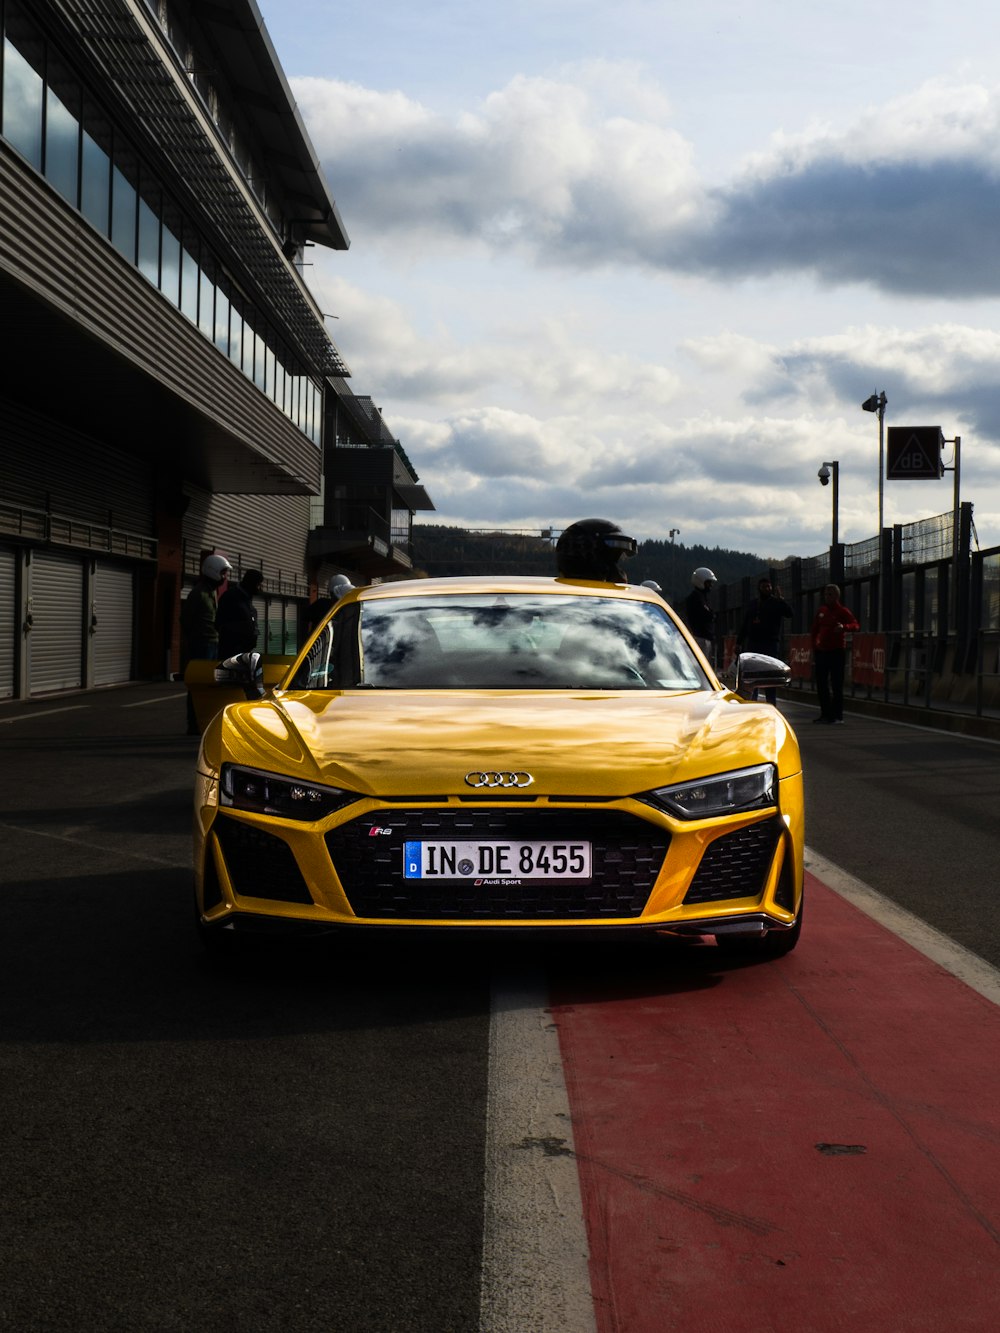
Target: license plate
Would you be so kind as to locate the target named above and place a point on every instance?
(496, 860)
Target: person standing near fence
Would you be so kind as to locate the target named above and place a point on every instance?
(830, 628)
(762, 626)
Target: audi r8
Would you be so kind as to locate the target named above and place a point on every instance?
(502, 754)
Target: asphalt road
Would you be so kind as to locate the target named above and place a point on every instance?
(300, 1146)
(913, 812)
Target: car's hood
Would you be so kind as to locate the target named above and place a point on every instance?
(424, 743)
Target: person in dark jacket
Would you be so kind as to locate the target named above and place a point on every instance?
(698, 613)
(762, 626)
(199, 625)
(830, 628)
(236, 618)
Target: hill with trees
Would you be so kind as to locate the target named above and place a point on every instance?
(441, 550)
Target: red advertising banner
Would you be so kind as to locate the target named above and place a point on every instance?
(868, 659)
(800, 656)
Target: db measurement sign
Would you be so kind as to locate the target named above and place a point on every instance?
(914, 452)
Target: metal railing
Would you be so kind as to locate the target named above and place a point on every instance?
(60, 530)
(918, 671)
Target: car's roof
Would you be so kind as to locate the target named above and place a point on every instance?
(504, 583)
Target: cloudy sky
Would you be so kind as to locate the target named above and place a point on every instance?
(645, 259)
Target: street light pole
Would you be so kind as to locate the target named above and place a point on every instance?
(827, 471)
(876, 403)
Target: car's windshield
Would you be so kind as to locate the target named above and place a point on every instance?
(501, 641)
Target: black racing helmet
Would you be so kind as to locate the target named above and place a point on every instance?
(592, 549)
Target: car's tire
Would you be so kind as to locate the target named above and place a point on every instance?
(773, 944)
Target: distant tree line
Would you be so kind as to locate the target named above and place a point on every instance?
(440, 550)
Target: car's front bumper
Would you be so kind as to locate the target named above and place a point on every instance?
(738, 874)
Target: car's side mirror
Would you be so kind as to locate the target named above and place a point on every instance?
(245, 670)
(757, 671)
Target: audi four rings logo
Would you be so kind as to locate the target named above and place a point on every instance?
(492, 779)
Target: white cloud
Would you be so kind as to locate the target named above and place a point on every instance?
(546, 361)
(541, 164)
(532, 426)
(564, 170)
(555, 247)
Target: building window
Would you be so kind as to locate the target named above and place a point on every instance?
(23, 86)
(124, 205)
(62, 135)
(48, 116)
(95, 183)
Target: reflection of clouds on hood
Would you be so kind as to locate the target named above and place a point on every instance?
(904, 200)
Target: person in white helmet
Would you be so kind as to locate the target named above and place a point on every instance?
(339, 585)
(199, 612)
(698, 614)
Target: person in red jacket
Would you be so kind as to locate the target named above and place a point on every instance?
(831, 625)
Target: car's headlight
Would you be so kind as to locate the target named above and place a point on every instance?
(723, 794)
(243, 788)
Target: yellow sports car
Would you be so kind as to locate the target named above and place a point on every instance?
(501, 753)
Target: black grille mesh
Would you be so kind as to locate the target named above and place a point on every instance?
(735, 865)
(259, 865)
(627, 854)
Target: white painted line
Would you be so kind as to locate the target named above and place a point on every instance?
(535, 1274)
(160, 699)
(73, 841)
(48, 712)
(960, 962)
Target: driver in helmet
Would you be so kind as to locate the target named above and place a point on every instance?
(593, 548)
(697, 612)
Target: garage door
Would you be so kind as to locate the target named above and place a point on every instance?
(8, 625)
(112, 623)
(55, 644)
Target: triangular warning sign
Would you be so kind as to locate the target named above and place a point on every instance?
(914, 452)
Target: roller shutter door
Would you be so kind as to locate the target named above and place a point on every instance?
(113, 624)
(8, 624)
(55, 644)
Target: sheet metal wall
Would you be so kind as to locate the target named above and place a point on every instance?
(48, 466)
(266, 532)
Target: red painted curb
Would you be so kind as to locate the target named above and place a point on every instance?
(805, 1145)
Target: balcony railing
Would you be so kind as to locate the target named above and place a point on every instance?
(361, 536)
(39, 525)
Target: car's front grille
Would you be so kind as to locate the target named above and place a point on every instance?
(259, 865)
(626, 852)
(735, 865)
